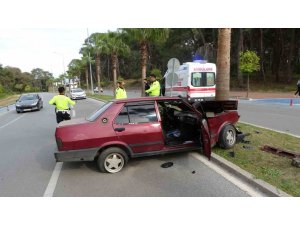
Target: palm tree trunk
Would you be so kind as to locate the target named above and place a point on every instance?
(98, 71)
(87, 77)
(223, 64)
(114, 68)
(144, 55)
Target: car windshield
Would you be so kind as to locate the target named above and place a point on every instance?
(28, 97)
(77, 90)
(99, 111)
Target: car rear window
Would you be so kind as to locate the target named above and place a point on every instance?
(136, 114)
(28, 97)
(98, 112)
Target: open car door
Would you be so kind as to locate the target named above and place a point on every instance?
(206, 144)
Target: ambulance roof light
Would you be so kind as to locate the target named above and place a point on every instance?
(199, 59)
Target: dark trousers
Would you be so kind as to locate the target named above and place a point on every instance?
(61, 116)
(298, 91)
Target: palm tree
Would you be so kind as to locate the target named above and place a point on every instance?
(145, 36)
(86, 59)
(99, 46)
(223, 64)
(115, 47)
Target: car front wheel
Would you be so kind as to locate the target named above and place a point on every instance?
(227, 137)
(112, 160)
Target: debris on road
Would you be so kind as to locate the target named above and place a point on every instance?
(193, 172)
(167, 164)
(279, 151)
(247, 147)
(296, 162)
(246, 141)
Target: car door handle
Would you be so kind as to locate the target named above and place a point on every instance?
(120, 129)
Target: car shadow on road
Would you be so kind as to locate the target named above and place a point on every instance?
(134, 162)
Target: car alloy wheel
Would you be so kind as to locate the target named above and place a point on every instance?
(112, 160)
(230, 137)
(114, 163)
(227, 137)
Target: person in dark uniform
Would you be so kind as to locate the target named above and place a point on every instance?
(147, 86)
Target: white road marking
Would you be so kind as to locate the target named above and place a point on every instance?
(252, 192)
(282, 132)
(12, 121)
(53, 180)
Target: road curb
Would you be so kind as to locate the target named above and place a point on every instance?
(249, 178)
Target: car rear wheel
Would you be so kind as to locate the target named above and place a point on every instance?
(112, 160)
(227, 137)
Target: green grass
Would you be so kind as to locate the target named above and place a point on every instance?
(101, 97)
(276, 170)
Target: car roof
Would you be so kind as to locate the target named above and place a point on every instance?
(144, 99)
(25, 94)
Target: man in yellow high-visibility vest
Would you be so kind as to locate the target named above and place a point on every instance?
(154, 89)
(62, 104)
(120, 91)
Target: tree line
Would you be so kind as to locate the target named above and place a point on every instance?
(135, 52)
(12, 80)
(140, 51)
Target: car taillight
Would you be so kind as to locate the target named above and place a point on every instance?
(59, 143)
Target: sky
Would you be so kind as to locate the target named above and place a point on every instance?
(49, 34)
(49, 49)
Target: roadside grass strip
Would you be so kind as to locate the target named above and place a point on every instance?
(274, 169)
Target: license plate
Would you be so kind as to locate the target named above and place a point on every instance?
(25, 110)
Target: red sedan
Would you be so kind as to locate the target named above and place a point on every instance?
(123, 129)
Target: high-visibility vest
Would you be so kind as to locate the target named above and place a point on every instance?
(154, 89)
(62, 102)
(120, 93)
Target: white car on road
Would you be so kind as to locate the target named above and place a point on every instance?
(77, 93)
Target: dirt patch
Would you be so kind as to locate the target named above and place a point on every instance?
(8, 100)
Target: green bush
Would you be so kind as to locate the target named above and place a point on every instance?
(1, 89)
(27, 88)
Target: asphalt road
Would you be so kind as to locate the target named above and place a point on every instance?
(27, 165)
(284, 118)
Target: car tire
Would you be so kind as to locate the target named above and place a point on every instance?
(39, 107)
(227, 137)
(112, 160)
(18, 111)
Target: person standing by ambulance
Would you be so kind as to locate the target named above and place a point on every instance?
(120, 91)
(154, 89)
(62, 104)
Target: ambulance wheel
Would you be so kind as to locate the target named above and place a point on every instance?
(227, 137)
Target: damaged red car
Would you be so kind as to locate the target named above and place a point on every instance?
(129, 128)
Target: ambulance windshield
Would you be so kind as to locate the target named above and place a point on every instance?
(203, 79)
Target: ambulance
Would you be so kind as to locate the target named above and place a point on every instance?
(195, 81)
